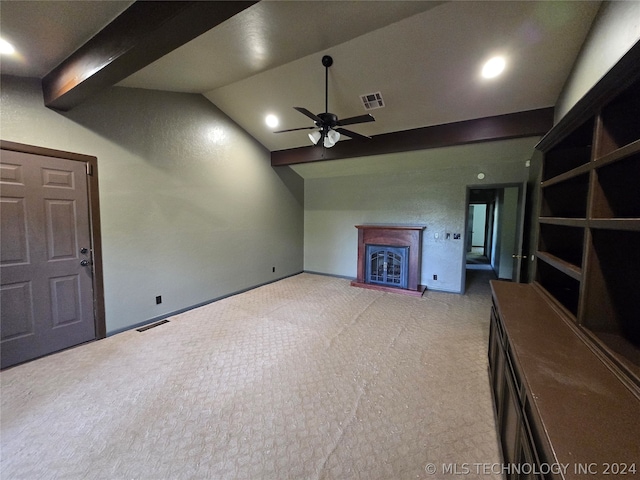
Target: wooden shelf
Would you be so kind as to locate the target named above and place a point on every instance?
(619, 154)
(629, 224)
(582, 169)
(565, 267)
(569, 222)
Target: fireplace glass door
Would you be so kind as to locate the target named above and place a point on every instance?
(387, 265)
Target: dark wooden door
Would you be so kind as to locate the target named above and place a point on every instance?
(45, 262)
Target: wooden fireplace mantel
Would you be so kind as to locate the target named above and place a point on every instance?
(393, 236)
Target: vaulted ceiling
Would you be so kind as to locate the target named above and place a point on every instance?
(424, 57)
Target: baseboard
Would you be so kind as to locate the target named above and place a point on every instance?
(345, 277)
(198, 305)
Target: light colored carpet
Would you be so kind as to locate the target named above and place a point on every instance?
(305, 378)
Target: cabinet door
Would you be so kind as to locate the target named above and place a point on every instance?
(497, 363)
(493, 343)
(510, 423)
(529, 470)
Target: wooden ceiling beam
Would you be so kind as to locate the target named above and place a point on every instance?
(143, 33)
(501, 127)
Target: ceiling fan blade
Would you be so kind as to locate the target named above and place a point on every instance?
(358, 119)
(306, 112)
(294, 129)
(349, 133)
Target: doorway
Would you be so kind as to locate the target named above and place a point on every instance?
(494, 229)
(51, 264)
(480, 232)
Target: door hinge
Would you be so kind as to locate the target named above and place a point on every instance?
(89, 168)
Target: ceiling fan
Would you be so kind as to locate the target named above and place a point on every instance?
(330, 127)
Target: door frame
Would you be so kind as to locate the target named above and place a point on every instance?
(519, 234)
(94, 220)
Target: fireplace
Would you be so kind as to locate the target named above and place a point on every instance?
(389, 258)
(387, 265)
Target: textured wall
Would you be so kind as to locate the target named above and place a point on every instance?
(191, 208)
(615, 30)
(508, 222)
(427, 187)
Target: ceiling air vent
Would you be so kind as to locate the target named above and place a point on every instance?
(372, 101)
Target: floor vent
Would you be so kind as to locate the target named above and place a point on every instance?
(371, 101)
(147, 327)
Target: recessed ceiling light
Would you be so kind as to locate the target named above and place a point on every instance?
(272, 121)
(493, 67)
(6, 48)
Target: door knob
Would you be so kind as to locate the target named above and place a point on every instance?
(84, 263)
(518, 256)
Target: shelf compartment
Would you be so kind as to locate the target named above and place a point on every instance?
(566, 199)
(568, 175)
(560, 162)
(574, 150)
(616, 193)
(564, 243)
(564, 288)
(565, 267)
(619, 121)
(612, 310)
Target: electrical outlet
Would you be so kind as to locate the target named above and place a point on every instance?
(435, 277)
(158, 299)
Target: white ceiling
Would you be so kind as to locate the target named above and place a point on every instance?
(423, 56)
(44, 33)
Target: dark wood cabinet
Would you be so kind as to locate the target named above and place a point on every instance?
(509, 400)
(559, 408)
(564, 351)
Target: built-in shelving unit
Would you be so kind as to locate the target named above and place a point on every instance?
(564, 351)
(588, 257)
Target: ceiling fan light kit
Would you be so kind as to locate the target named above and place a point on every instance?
(330, 138)
(314, 137)
(329, 125)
